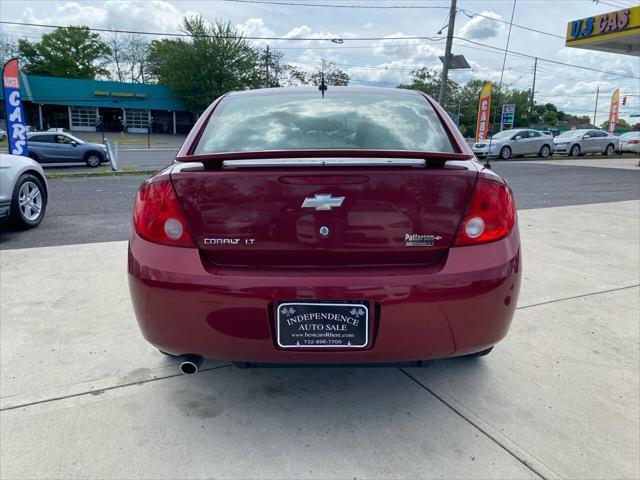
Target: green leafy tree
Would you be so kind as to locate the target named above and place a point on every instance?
(8, 50)
(214, 60)
(72, 52)
(622, 125)
(428, 81)
(271, 68)
(333, 76)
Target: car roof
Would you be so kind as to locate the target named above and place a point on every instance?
(314, 89)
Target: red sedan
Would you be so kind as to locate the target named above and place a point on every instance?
(350, 227)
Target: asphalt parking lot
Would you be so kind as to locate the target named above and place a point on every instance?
(83, 396)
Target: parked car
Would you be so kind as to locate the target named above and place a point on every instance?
(581, 141)
(57, 147)
(630, 142)
(376, 236)
(3, 135)
(508, 143)
(23, 191)
(58, 129)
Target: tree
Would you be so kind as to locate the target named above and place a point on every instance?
(333, 76)
(428, 81)
(8, 50)
(622, 125)
(72, 52)
(128, 58)
(271, 69)
(214, 60)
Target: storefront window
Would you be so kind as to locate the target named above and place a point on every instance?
(83, 117)
(137, 119)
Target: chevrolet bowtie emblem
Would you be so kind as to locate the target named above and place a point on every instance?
(322, 201)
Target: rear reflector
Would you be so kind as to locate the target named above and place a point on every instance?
(157, 216)
(490, 216)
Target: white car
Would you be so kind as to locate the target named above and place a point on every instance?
(521, 141)
(3, 135)
(578, 142)
(630, 142)
(23, 191)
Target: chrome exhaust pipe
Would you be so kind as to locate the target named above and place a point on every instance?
(190, 364)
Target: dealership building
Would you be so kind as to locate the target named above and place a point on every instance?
(94, 105)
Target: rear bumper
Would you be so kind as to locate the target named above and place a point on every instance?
(462, 306)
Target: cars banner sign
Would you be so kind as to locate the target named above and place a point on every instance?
(16, 125)
(484, 107)
(614, 108)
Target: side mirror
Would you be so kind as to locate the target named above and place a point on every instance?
(517, 137)
(586, 135)
(74, 143)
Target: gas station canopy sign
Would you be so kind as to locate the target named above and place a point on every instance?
(616, 32)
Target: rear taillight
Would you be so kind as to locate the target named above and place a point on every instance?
(157, 216)
(490, 216)
(634, 141)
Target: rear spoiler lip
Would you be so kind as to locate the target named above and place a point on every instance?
(219, 158)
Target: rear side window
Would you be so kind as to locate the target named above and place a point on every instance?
(42, 139)
(341, 120)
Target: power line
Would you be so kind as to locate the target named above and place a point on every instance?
(327, 39)
(556, 62)
(333, 5)
(469, 13)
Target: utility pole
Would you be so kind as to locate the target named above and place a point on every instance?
(595, 110)
(533, 89)
(447, 53)
(266, 68)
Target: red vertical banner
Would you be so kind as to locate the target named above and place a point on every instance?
(484, 107)
(614, 110)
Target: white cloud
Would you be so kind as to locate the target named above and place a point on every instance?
(255, 27)
(481, 28)
(150, 15)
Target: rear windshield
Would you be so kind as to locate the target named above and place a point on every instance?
(572, 133)
(340, 120)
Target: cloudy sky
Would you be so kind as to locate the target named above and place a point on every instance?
(388, 61)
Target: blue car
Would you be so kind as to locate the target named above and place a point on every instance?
(62, 147)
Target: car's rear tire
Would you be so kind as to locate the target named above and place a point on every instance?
(28, 202)
(609, 150)
(93, 159)
(505, 153)
(544, 151)
(481, 353)
(574, 151)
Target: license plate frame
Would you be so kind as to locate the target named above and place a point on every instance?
(341, 322)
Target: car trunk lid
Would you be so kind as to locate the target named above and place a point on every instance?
(347, 216)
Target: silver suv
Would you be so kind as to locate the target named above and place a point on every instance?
(61, 147)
